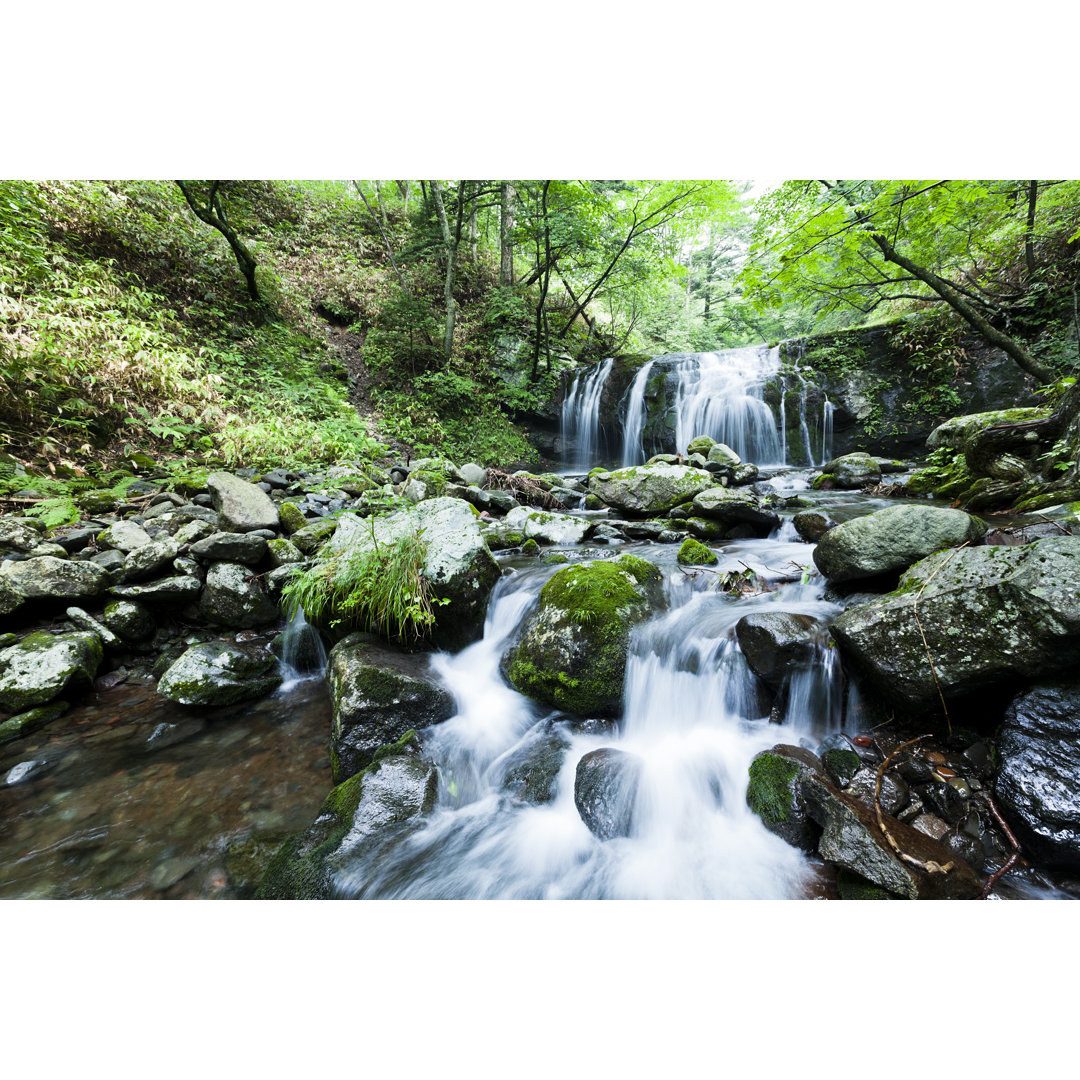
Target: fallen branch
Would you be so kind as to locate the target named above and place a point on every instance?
(997, 875)
(524, 485)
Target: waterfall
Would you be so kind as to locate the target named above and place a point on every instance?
(633, 452)
(720, 395)
(581, 416)
(300, 649)
(827, 410)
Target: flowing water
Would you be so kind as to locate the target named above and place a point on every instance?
(581, 416)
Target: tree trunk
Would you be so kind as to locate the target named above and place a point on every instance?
(545, 279)
(506, 235)
(1029, 233)
(474, 191)
(451, 242)
(213, 215)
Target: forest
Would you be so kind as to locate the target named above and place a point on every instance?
(536, 539)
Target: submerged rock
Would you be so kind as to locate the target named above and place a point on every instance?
(573, 647)
(220, 673)
(605, 787)
(890, 540)
(377, 694)
(43, 666)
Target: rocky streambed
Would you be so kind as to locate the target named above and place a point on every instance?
(691, 678)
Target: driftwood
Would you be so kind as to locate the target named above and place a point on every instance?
(523, 485)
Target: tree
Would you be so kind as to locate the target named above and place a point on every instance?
(862, 245)
(209, 207)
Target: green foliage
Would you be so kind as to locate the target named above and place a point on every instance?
(382, 589)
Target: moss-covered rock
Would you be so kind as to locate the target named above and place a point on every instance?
(572, 652)
(42, 666)
(694, 553)
(51, 579)
(775, 796)
(954, 433)
(26, 722)
(648, 490)
(233, 596)
(220, 673)
(852, 887)
(735, 507)
(530, 547)
(292, 517)
(849, 473)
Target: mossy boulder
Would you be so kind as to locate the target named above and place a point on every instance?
(695, 553)
(220, 673)
(292, 517)
(394, 792)
(50, 579)
(648, 490)
(891, 540)
(775, 796)
(573, 648)
(735, 507)
(377, 693)
(233, 596)
(955, 433)
(989, 615)
(27, 722)
(43, 666)
(849, 473)
(549, 528)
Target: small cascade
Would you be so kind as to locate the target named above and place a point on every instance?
(300, 649)
(802, 443)
(633, 452)
(580, 427)
(827, 410)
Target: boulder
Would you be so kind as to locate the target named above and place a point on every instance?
(10, 597)
(532, 769)
(474, 474)
(292, 517)
(812, 525)
(220, 673)
(989, 614)
(722, 454)
(955, 433)
(735, 508)
(150, 559)
(695, 553)
(377, 693)
(849, 473)
(49, 578)
(129, 620)
(124, 536)
(605, 787)
(43, 666)
(171, 590)
(889, 541)
(241, 505)
(282, 552)
(647, 490)
(17, 535)
(1037, 785)
(775, 796)
(573, 647)
(392, 793)
(234, 596)
(775, 642)
(232, 547)
(548, 528)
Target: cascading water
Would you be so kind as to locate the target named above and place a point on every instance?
(302, 652)
(633, 453)
(694, 719)
(581, 416)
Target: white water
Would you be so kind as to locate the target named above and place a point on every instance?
(633, 452)
(303, 655)
(581, 415)
(693, 715)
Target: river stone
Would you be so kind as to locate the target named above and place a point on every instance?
(852, 839)
(890, 540)
(774, 794)
(150, 559)
(170, 590)
(812, 525)
(722, 454)
(851, 472)
(43, 666)
(57, 551)
(129, 620)
(572, 650)
(648, 490)
(605, 787)
(694, 553)
(242, 505)
(18, 535)
(989, 614)
(233, 547)
(775, 642)
(220, 673)
(311, 537)
(547, 528)
(10, 597)
(124, 536)
(85, 621)
(1038, 782)
(457, 565)
(76, 539)
(25, 723)
(234, 596)
(55, 579)
(377, 694)
(292, 517)
(533, 768)
(393, 792)
(734, 507)
(281, 552)
(473, 474)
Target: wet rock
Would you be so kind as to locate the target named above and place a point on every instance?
(1037, 787)
(605, 787)
(931, 825)
(741, 507)
(704, 529)
(547, 528)
(695, 553)
(27, 722)
(812, 525)
(220, 673)
(572, 650)
(242, 505)
(170, 871)
(169, 734)
(891, 540)
(150, 559)
(533, 769)
(841, 765)
(944, 800)
(775, 795)
(852, 887)
(989, 614)
(850, 472)
(233, 547)
(234, 596)
(852, 839)
(395, 790)
(43, 666)
(49, 578)
(25, 771)
(895, 794)
(129, 620)
(648, 490)
(377, 694)
(776, 642)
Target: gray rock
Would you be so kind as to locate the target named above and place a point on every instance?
(812, 525)
(233, 547)
(533, 768)
(85, 621)
(10, 597)
(76, 539)
(281, 552)
(234, 596)
(129, 620)
(502, 501)
(648, 490)
(989, 614)
(43, 666)
(890, 540)
(894, 792)
(48, 578)
(377, 694)
(605, 787)
(776, 642)
(722, 454)
(548, 528)
(170, 590)
(18, 535)
(311, 537)
(473, 474)
(852, 471)
(112, 562)
(734, 507)
(220, 673)
(124, 536)
(150, 559)
(242, 505)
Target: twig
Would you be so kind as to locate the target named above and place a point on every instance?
(997, 875)
(930, 867)
(1051, 521)
(915, 613)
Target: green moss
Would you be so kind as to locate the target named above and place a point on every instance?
(555, 558)
(841, 765)
(292, 517)
(695, 553)
(853, 887)
(530, 547)
(770, 793)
